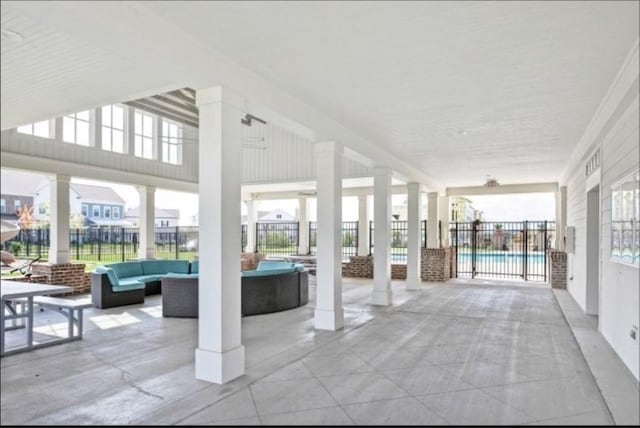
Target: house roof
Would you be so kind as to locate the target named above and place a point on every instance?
(20, 183)
(97, 194)
(159, 213)
(276, 216)
(107, 222)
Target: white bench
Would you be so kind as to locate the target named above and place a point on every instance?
(71, 309)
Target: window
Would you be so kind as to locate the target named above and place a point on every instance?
(143, 135)
(39, 129)
(85, 210)
(171, 142)
(42, 208)
(116, 212)
(3, 206)
(96, 211)
(113, 128)
(16, 205)
(107, 212)
(76, 128)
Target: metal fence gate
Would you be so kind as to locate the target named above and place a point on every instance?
(277, 238)
(503, 249)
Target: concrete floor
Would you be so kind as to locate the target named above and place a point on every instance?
(456, 353)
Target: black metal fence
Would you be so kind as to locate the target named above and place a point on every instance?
(399, 239)
(277, 238)
(349, 239)
(503, 249)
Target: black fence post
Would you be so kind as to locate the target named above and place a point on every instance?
(122, 242)
(99, 243)
(177, 234)
(370, 237)
(77, 244)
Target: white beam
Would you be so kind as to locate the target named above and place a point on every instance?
(329, 314)
(381, 237)
(503, 189)
(414, 218)
(60, 210)
(220, 354)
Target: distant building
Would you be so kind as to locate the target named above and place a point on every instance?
(461, 210)
(277, 216)
(18, 190)
(163, 217)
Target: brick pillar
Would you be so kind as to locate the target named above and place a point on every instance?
(249, 261)
(69, 274)
(358, 267)
(557, 269)
(436, 264)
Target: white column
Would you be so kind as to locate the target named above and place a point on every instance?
(414, 238)
(252, 214)
(329, 314)
(147, 242)
(561, 217)
(443, 217)
(60, 210)
(432, 220)
(381, 237)
(220, 354)
(303, 231)
(363, 226)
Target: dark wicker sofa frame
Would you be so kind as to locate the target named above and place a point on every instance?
(104, 297)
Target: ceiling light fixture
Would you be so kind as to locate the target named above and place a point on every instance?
(492, 183)
(11, 36)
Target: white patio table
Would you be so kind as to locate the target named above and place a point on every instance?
(12, 290)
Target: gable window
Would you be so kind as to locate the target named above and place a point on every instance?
(3, 206)
(143, 144)
(107, 212)
(16, 205)
(76, 128)
(113, 128)
(96, 211)
(116, 212)
(171, 142)
(39, 129)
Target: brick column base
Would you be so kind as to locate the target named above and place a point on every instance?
(358, 267)
(69, 274)
(249, 261)
(558, 269)
(436, 264)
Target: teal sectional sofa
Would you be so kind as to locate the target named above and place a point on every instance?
(127, 283)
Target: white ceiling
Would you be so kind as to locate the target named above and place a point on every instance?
(456, 90)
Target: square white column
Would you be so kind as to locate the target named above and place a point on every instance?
(363, 226)
(432, 220)
(303, 228)
(252, 215)
(443, 217)
(561, 217)
(60, 210)
(329, 314)
(147, 218)
(382, 237)
(414, 237)
(220, 354)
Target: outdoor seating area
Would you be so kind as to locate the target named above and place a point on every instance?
(274, 286)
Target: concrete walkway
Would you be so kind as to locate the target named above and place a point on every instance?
(454, 353)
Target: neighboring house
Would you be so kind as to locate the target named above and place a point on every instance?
(163, 217)
(461, 210)
(99, 205)
(18, 190)
(276, 216)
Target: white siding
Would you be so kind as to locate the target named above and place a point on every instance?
(614, 131)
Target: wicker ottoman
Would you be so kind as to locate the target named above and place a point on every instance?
(180, 296)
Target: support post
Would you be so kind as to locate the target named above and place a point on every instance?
(329, 314)
(381, 238)
(220, 355)
(303, 229)
(414, 251)
(147, 242)
(363, 226)
(59, 249)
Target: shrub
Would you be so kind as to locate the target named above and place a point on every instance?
(15, 248)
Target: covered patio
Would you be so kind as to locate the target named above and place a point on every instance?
(455, 353)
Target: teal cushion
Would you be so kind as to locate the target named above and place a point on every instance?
(127, 269)
(267, 272)
(128, 285)
(195, 266)
(272, 264)
(182, 275)
(155, 267)
(146, 278)
(299, 267)
(113, 278)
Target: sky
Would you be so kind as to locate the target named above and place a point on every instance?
(513, 207)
